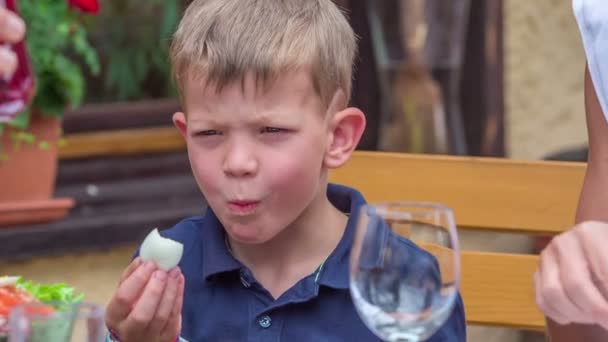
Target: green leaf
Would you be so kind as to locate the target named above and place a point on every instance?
(59, 293)
(21, 121)
(27, 137)
(140, 65)
(62, 142)
(170, 18)
(44, 145)
(23, 136)
(82, 47)
(63, 28)
(58, 45)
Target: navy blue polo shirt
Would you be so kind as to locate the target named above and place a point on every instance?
(224, 302)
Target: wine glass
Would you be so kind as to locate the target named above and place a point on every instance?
(405, 269)
(57, 322)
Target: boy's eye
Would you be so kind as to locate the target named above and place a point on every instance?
(208, 132)
(272, 130)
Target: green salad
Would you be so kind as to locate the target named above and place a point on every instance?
(54, 318)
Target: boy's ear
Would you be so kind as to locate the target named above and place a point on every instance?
(179, 120)
(346, 129)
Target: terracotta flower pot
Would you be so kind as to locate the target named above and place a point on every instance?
(27, 174)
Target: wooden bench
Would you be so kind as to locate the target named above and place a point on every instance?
(496, 195)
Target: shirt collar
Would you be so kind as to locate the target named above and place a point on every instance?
(216, 255)
(334, 272)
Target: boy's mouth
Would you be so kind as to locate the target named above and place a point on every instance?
(244, 207)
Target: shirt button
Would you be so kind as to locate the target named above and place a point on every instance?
(245, 283)
(265, 322)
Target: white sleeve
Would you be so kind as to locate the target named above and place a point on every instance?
(592, 19)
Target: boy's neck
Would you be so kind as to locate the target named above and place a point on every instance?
(298, 251)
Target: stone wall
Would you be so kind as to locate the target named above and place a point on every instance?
(544, 63)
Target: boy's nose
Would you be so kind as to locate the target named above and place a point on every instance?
(240, 161)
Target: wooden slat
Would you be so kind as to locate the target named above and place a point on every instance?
(485, 193)
(498, 290)
(116, 169)
(122, 142)
(120, 115)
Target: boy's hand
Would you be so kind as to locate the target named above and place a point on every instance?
(572, 279)
(147, 304)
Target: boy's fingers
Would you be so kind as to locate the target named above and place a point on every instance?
(164, 313)
(179, 301)
(145, 308)
(177, 307)
(127, 294)
(174, 326)
(130, 269)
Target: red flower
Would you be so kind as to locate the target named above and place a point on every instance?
(89, 6)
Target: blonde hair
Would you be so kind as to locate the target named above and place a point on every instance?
(223, 40)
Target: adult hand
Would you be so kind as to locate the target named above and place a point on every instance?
(572, 279)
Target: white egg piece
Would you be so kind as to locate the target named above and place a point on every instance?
(166, 253)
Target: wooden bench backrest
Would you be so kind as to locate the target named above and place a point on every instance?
(496, 195)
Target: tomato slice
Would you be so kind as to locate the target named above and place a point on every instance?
(39, 310)
(11, 296)
(4, 310)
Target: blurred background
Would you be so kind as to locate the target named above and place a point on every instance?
(517, 69)
(500, 78)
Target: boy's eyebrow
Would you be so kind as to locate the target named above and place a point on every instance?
(197, 123)
(270, 116)
(266, 117)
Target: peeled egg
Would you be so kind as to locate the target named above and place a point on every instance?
(166, 253)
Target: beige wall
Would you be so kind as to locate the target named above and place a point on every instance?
(544, 63)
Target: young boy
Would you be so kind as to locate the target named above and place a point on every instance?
(264, 87)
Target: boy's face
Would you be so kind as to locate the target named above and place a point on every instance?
(258, 157)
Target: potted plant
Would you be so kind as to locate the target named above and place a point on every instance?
(59, 54)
